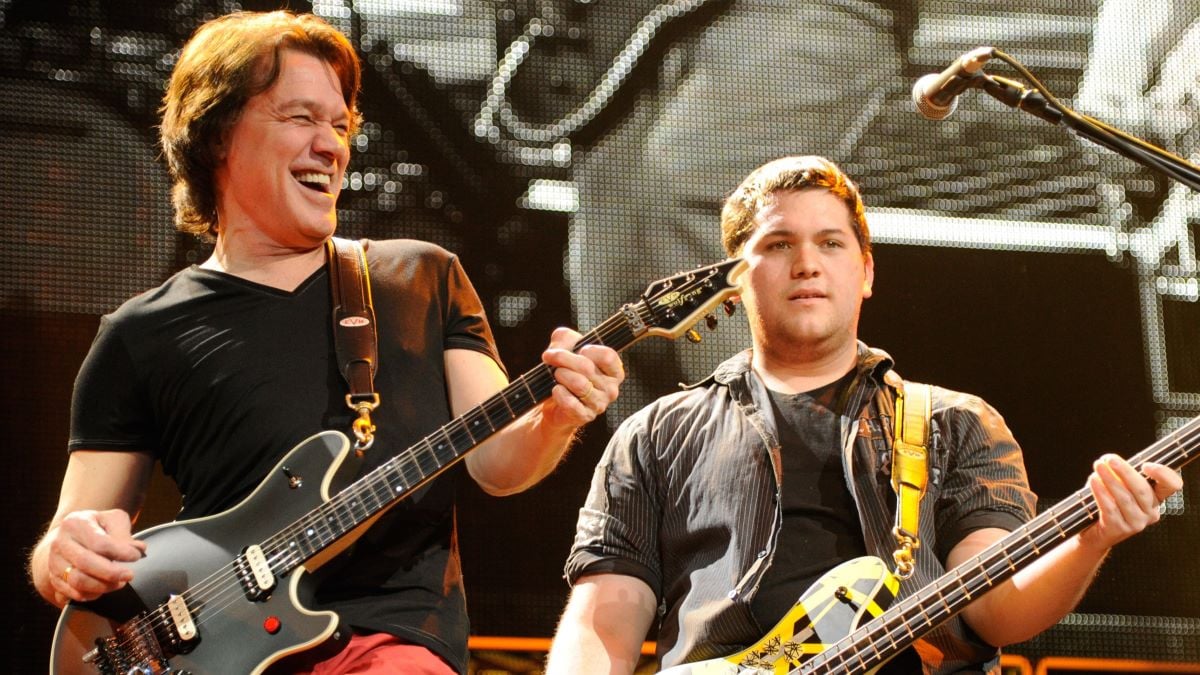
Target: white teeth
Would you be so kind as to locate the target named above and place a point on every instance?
(318, 178)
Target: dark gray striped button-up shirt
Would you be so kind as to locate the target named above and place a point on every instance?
(686, 498)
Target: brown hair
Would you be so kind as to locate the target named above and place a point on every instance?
(226, 62)
(808, 172)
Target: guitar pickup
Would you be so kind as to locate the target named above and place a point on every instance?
(255, 573)
(181, 618)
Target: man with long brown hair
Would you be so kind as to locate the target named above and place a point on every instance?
(229, 364)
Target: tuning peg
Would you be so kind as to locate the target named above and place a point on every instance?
(692, 335)
(728, 306)
(710, 321)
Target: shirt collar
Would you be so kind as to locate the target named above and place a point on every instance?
(872, 362)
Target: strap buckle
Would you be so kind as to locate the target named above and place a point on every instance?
(363, 427)
(904, 555)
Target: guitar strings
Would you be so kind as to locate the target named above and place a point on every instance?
(221, 589)
(995, 564)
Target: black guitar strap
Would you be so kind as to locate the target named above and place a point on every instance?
(354, 335)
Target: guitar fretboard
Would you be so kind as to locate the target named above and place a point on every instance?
(664, 309)
(430, 456)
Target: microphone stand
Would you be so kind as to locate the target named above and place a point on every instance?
(1015, 95)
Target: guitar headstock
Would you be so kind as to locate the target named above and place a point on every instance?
(677, 303)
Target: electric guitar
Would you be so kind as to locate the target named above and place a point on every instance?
(842, 623)
(224, 594)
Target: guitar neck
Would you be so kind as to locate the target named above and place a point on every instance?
(884, 637)
(665, 309)
(421, 462)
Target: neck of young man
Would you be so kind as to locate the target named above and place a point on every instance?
(793, 369)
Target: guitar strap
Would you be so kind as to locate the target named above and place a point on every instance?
(354, 336)
(910, 470)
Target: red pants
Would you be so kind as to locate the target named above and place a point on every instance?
(381, 654)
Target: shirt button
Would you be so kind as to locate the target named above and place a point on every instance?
(762, 554)
(733, 595)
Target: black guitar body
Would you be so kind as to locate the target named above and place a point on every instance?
(235, 634)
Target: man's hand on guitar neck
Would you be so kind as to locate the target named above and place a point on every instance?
(1128, 501)
(588, 380)
(1041, 594)
(516, 458)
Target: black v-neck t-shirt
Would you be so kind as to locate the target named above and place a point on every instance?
(218, 377)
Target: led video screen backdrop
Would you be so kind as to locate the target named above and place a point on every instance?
(573, 151)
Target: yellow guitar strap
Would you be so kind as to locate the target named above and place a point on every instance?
(910, 471)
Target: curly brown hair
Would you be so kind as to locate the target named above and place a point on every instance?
(226, 62)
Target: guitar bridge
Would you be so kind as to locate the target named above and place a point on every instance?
(133, 648)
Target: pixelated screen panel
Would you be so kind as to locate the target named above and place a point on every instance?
(572, 152)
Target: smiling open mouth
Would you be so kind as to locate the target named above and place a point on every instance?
(314, 181)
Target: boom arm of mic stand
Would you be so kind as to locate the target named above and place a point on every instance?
(1015, 95)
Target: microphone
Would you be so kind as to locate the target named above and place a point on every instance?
(936, 94)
